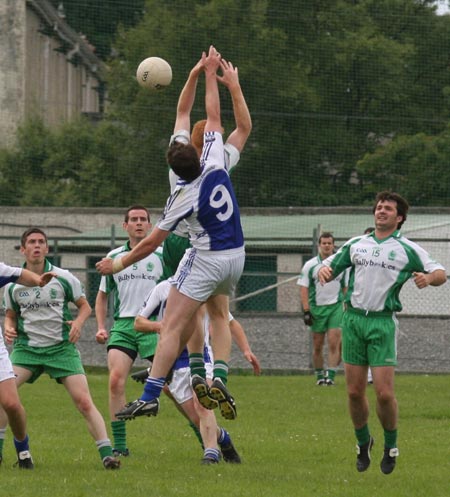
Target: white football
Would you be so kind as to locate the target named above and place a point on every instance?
(154, 73)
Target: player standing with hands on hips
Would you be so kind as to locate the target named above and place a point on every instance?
(209, 272)
(380, 264)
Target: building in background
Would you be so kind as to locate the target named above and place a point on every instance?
(46, 68)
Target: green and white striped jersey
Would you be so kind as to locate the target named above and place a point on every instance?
(328, 294)
(379, 269)
(132, 285)
(42, 312)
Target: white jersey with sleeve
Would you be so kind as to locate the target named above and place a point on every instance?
(207, 204)
(132, 284)
(155, 306)
(318, 294)
(379, 269)
(43, 312)
(8, 274)
(231, 159)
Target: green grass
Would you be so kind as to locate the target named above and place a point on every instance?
(295, 440)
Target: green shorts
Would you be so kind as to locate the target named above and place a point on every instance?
(58, 361)
(369, 339)
(173, 251)
(124, 336)
(327, 317)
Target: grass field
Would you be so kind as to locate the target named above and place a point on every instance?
(295, 440)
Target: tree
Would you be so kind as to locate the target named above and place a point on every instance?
(415, 165)
(328, 84)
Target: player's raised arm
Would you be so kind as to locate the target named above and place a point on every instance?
(145, 247)
(212, 100)
(230, 78)
(187, 98)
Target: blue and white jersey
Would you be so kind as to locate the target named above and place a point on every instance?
(230, 160)
(155, 306)
(9, 274)
(207, 204)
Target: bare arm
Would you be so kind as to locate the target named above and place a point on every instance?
(212, 100)
(144, 325)
(230, 78)
(187, 98)
(28, 278)
(239, 336)
(101, 310)
(436, 278)
(304, 298)
(10, 326)
(84, 311)
(144, 248)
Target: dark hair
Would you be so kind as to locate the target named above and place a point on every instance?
(30, 231)
(184, 161)
(326, 234)
(402, 204)
(136, 207)
(368, 230)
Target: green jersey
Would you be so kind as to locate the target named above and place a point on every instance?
(132, 285)
(379, 269)
(318, 295)
(43, 312)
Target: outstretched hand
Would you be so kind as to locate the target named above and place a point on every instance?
(230, 76)
(211, 62)
(199, 67)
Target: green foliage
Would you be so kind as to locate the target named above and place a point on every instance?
(303, 445)
(327, 82)
(78, 163)
(99, 20)
(415, 165)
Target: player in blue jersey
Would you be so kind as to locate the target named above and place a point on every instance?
(210, 270)
(178, 242)
(380, 263)
(179, 384)
(13, 410)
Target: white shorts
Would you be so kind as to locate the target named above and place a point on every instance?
(180, 386)
(201, 274)
(6, 368)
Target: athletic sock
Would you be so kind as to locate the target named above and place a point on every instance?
(152, 388)
(331, 373)
(390, 439)
(21, 445)
(119, 432)
(320, 374)
(212, 454)
(2, 439)
(197, 364)
(224, 438)
(197, 433)
(221, 371)
(363, 435)
(104, 448)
